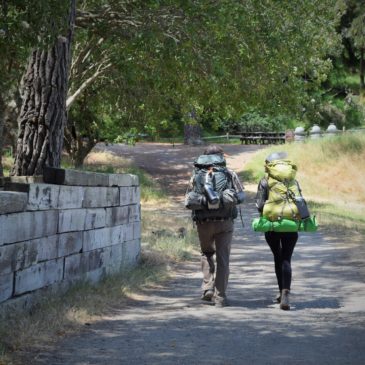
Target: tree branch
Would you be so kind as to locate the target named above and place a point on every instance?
(100, 70)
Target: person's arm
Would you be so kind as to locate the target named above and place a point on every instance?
(238, 187)
(262, 194)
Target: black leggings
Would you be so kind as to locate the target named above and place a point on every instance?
(282, 246)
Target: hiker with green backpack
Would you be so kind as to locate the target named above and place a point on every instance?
(283, 212)
(213, 194)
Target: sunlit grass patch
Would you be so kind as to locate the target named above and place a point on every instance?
(330, 172)
(106, 158)
(7, 162)
(107, 162)
(172, 236)
(336, 217)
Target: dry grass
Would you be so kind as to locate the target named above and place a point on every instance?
(108, 162)
(99, 159)
(170, 235)
(331, 173)
(327, 175)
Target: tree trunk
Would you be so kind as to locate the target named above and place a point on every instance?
(2, 117)
(362, 70)
(192, 134)
(43, 113)
(78, 147)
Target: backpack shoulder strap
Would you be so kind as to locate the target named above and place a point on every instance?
(299, 189)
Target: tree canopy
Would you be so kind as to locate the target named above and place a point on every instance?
(217, 58)
(152, 66)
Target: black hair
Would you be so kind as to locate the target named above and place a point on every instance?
(213, 150)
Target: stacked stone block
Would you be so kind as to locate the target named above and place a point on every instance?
(73, 226)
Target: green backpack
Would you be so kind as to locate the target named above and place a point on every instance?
(283, 190)
(285, 209)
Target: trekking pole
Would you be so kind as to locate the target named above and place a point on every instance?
(243, 225)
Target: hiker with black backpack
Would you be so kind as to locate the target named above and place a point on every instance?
(213, 194)
(283, 213)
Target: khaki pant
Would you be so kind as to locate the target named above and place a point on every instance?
(215, 238)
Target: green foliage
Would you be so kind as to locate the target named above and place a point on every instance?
(256, 122)
(356, 29)
(23, 25)
(170, 58)
(148, 65)
(129, 137)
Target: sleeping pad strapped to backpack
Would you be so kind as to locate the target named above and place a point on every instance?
(211, 179)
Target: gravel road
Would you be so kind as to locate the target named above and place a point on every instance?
(171, 325)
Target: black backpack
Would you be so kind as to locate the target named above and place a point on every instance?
(212, 194)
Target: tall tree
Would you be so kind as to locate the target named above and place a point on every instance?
(43, 113)
(357, 34)
(23, 25)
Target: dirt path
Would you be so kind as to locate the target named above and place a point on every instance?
(172, 165)
(170, 325)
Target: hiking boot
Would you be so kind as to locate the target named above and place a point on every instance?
(284, 303)
(221, 302)
(207, 295)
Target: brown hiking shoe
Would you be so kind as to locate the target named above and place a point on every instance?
(221, 302)
(207, 295)
(284, 303)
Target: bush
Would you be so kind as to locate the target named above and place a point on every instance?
(256, 122)
(344, 113)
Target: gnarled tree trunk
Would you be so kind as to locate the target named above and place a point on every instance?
(77, 146)
(43, 113)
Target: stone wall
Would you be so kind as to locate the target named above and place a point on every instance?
(64, 227)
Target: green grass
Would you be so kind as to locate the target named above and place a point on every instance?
(337, 217)
(330, 150)
(347, 144)
(352, 82)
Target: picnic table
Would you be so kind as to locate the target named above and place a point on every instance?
(262, 137)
